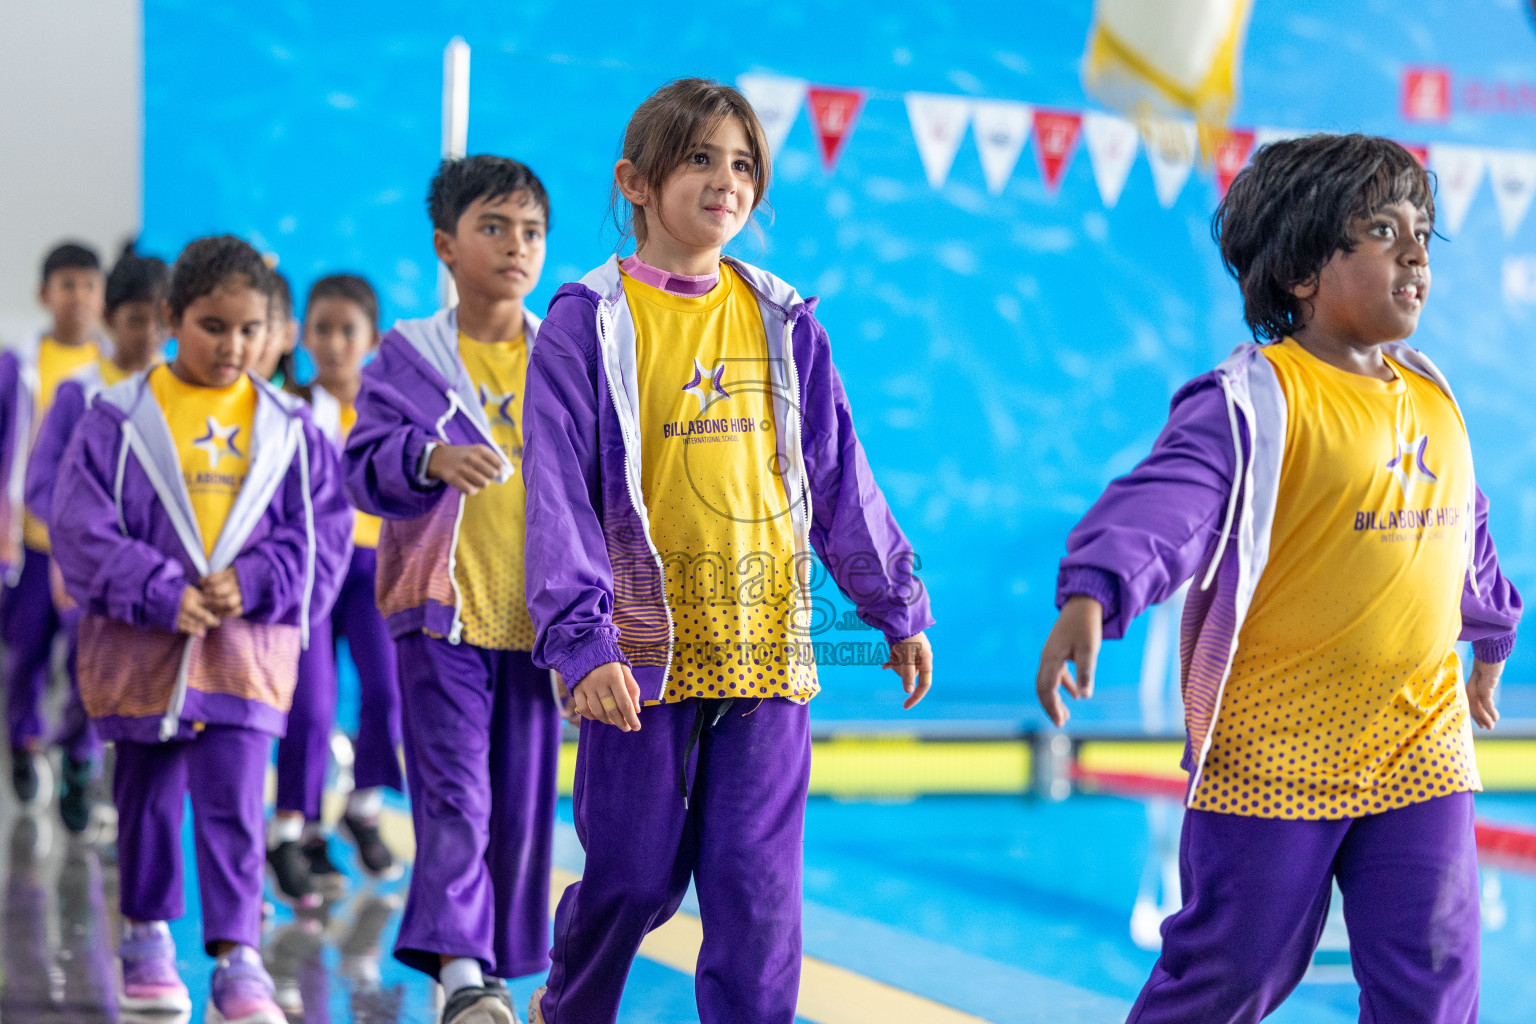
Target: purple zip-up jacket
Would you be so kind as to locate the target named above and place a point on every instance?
(126, 540)
(594, 582)
(417, 393)
(70, 401)
(1200, 507)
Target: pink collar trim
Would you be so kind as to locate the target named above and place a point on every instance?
(676, 284)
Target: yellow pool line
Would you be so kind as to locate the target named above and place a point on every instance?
(829, 994)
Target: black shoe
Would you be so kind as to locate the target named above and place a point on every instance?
(327, 879)
(24, 775)
(75, 794)
(376, 858)
(489, 1004)
(290, 869)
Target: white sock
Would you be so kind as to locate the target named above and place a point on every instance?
(365, 804)
(460, 972)
(313, 830)
(282, 829)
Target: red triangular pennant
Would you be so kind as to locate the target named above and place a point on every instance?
(1420, 153)
(833, 112)
(1056, 134)
(1233, 148)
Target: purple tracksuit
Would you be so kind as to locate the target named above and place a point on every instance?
(41, 608)
(304, 751)
(481, 726)
(35, 610)
(1256, 889)
(596, 595)
(194, 716)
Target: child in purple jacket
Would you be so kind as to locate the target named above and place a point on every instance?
(437, 452)
(1319, 491)
(198, 516)
(689, 446)
(134, 314)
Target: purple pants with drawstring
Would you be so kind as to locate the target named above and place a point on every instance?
(304, 751)
(739, 836)
(223, 768)
(482, 748)
(1256, 893)
(28, 624)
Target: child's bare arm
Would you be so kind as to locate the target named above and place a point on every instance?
(1076, 637)
(912, 660)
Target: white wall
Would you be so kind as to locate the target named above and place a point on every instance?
(71, 137)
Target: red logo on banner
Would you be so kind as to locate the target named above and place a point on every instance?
(1420, 153)
(1056, 134)
(1426, 94)
(1232, 150)
(833, 112)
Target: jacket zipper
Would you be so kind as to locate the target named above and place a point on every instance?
(632, 484)
(456, 627)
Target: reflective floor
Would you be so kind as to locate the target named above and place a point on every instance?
(949, 910)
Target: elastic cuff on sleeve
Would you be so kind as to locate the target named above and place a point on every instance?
(162, 602)
(1102, 586)
(1494, 649)
(416, 451)
(252, 576)
(602, 648)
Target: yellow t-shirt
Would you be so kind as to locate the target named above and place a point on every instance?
(488, 562)
(212, 431)
(365, 528)
(718, 511)
(1346, 696)
(111, 373)
(55, 364)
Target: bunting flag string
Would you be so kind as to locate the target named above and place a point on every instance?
(1002, 129)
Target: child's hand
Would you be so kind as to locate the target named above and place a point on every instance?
(194, 616)
(912, 660)
(567, 703)
(221, 592)
(1480, 690)
(467, 468)
(1076, 637)
(609, 694)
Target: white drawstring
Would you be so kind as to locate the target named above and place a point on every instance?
(1237, 481)
(309, 539)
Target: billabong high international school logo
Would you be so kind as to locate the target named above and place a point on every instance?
(1408, 463)
(707, 385)
(218, 442)
(498, 407)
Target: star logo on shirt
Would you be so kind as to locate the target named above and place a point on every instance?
(1408, 464)
(706, 385)
(218, 442)
(501, 403)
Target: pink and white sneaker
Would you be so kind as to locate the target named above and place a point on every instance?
(148, 982)
(242, 991)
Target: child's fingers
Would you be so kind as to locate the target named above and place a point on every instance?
(924, 683)
(1047, 689)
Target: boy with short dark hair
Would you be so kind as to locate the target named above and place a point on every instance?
(72, 290)
(437, 452)
(1319, 490)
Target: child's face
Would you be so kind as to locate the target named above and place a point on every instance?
(1376, 293)
(217, 334)
(339, 335)
(74, 297)
(281, 337)
(496, 252)
(705, 201)
(138, 331)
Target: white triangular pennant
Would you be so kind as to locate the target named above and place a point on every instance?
(1112, 143)
(1513, 175)
(1001, 128)
(777, 101)
(938, 125)
(1171, 148)
(1458, 173)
